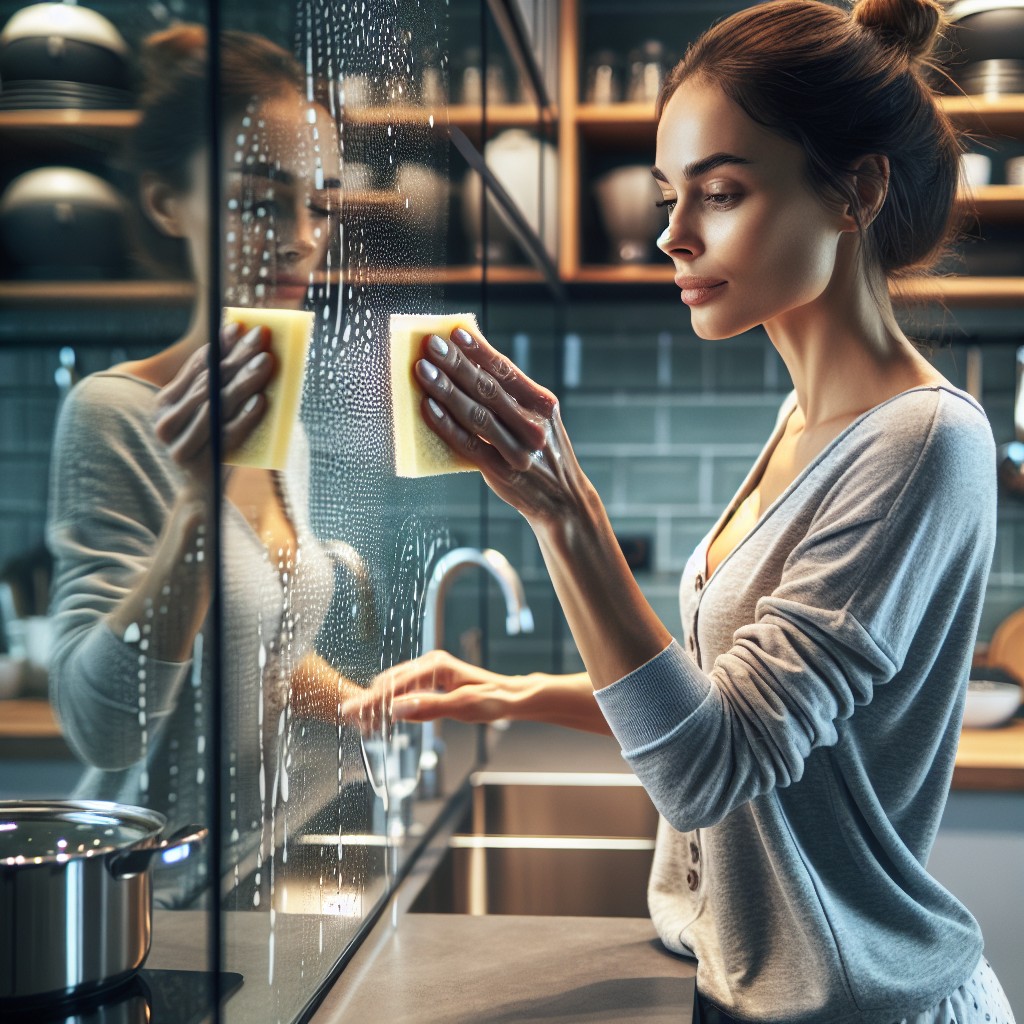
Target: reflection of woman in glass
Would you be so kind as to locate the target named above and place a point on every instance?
(130, 489)
(799, 743)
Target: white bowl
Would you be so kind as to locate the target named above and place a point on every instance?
(990, 703)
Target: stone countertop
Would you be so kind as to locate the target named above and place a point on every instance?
(458, 969)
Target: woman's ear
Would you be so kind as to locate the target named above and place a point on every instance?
(870, 175)
(161, 204)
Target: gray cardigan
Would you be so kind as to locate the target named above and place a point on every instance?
(800, 742)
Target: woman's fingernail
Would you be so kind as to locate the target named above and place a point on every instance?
(232, 330)
(435, 409)
(258, 362)
(428, 369)
(250, 403)
(438, 345)
(463, 337)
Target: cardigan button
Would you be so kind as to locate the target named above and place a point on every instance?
(692, 880)
(698, 582)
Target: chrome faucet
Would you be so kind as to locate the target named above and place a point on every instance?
(518, 619)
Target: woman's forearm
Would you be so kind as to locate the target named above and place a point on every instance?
(173, 594)
(614, 627)
(566, 700)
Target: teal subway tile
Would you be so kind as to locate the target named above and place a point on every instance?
(999, 409)
(465, 490)
(727, 474)
(465, 530)
(610, 421)
(998, 370)
(616, 361)
(1000, 601)
(662, 480)
(725, 422)
(684, 534)
(623, 317)
(688, 355)
(776, 375)
(951, 362)
(738, 364)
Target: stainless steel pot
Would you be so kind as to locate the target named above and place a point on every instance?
(76, 894)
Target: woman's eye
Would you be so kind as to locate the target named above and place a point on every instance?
(720, 199)
(259, 208)
(667, 204)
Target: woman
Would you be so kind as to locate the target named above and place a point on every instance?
(130, 491)
(799, 742)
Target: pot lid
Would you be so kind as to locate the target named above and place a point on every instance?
(49, 185)
(65, 21)
(48, 831)
(965, 8)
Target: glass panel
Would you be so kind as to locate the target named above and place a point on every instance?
(104, 542)
(334, 200)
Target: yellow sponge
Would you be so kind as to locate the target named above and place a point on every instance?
(290, 330)
(418, 450)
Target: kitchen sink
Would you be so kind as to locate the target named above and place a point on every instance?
(547, 843)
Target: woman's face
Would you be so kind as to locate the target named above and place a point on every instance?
(282, 195)
(750, 240)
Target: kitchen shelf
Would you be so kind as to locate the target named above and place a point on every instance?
(60, 293)
(997, 202)
(608, 121)
(113, 123)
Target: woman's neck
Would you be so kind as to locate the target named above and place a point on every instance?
(845, 352)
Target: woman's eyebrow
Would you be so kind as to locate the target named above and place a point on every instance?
(699, 167)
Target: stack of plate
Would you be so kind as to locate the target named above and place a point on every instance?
(63, 56)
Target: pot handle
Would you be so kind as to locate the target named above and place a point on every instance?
(133, 862)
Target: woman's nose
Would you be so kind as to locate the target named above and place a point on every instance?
(300, 240)
(679, 238)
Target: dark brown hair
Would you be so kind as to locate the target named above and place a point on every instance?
(842, 85)
(174, 104)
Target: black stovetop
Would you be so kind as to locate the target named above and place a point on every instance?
(149, 997)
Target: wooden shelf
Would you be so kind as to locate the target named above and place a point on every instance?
(177, 293)
(81, 293)
(100, 121)
(622, 122)
(996, 202)
(115, 122)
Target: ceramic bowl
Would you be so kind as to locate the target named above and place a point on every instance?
(975, 169)
(626, 198)
(425, 193)
(990, 702)
(63, 222)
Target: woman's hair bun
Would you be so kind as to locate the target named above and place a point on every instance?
(912, 26)
(164, 52)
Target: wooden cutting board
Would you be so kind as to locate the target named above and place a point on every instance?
(1006, 651)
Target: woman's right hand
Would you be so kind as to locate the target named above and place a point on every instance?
(439, 685)
(435, 685)
(183, 418)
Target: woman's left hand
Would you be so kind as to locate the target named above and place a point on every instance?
(489, 411)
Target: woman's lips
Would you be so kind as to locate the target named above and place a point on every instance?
(696, 290)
